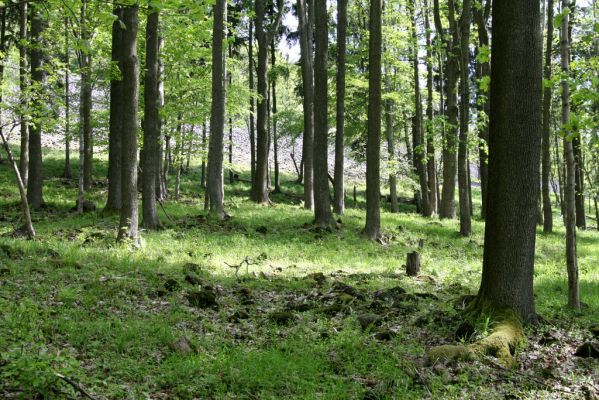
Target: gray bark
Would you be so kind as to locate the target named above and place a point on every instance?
(339, 186)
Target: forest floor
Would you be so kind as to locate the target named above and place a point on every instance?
(310, 315)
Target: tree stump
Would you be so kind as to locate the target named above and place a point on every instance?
(413, 264)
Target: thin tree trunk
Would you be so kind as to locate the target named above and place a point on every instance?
(113, 202)
(373, 146)
(251, 83)
(570, 194)
(322, 203)
(215, 185)
(85, 108)
(230, 144)
(274, 122)
(203, 171)
(161, 187)
(339, 186)
(151, 124)
(128, 225)
(392, 163)
(581, 222)
(515, 142)
(417, 130)
(447, 206)
(430, 142)
(35, 180)
(67, 105)
(24, 124)
(305, 29)
(463, 164)
(546, 157)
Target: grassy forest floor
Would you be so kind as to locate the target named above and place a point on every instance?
(172, 321)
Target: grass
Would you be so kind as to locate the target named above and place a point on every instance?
(75, 302)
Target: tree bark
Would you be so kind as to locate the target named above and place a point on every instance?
(24, 123)
(447, 206)
(514, 144)
(128, 225)
(85, 107)
(113, 202)
(275, 140)
(463, 164)
(67, 104)
(546, 151)
(392, 163)
(322, 203)
(581, 221)
(306, 49)
(570, 189)
(161, 186)
(339, 186)
(417, 131)
(413, 264)
(215, 185)
(430, 142)
(251, 83)
(151, 124)
(373, 149)
(203, 170)
(35, 180)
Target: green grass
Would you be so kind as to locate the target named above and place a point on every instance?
(74, 301)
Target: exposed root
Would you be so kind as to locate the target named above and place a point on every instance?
(507, 334)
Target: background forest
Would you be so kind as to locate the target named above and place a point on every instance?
(292, 199)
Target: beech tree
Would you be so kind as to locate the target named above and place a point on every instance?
(339, 185)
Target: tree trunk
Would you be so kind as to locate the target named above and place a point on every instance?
(260, 183)
(217, 114)
(305, 28)
(251, 83)
(151, 124)
(570, 189)
(128, 225)
(203, 171)
(546, 151)
(417, 131)
(24, 124)
(35, 180)
(161, 187)
(230, 144)
(483, 74)
(85, 106)
(373, 149)
(67, 104)
(339, 186)
(463, 164)
(447, 207)
(514, 144)
(274, 122)
(430, 140)
(581, 222)
(392, 163)
(413, 264)
(322, 202)
(113, 202)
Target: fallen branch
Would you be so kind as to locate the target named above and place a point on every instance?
(164, 211)
(75, 385)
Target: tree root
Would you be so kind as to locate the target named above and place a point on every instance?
(507, 334)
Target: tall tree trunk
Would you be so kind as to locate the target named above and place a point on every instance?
(85, 108)
(151, 124)
(514, 144)
(430, 139)
(373, 145)
(339, 186)
(217, 115)
(546, 151)
(260, 183)
(417, 131)
(161, 187)
(251, 83)
(306, 49)
(113, 202)
(24, 124)
(392, 163)
(36, 180)
(581, 221)
(274, 121)
(463, 163)
(128, 225)
(570, 190)
(447, 207)
(67, 104)
(203, 171)
(230, 144)
(322, 203)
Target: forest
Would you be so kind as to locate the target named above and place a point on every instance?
(299, 199)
